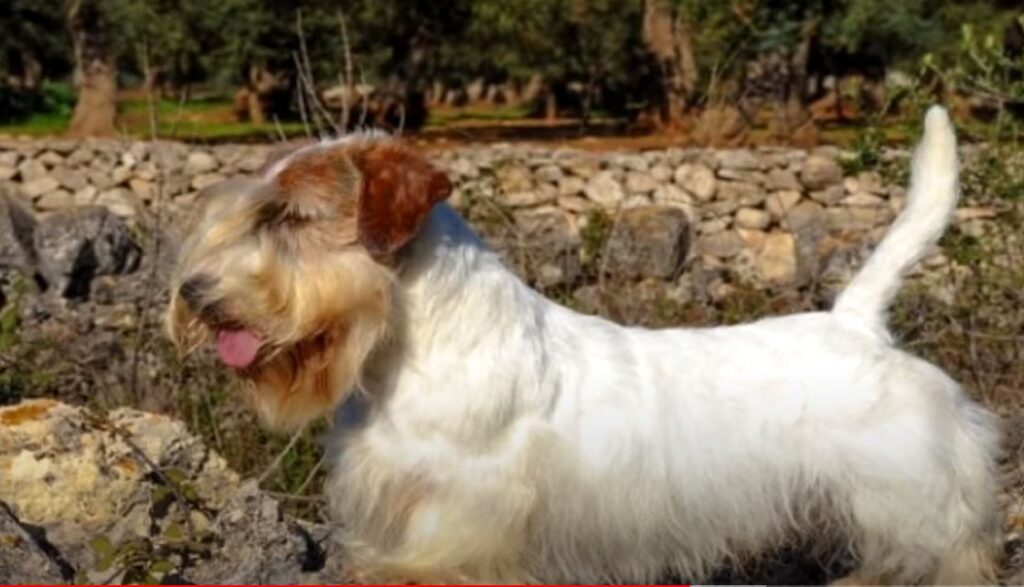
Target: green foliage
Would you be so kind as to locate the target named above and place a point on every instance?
(963, 248)
(173, 40)
(594, 234)
(997, 175)
(589, 53)
(983, 68)
(19, 376)
(52, 99)
(867, 151)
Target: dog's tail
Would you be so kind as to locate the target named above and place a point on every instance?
(934, 191)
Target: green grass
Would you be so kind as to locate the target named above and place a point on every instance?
(449, 116)
(38, 125)
(198, 120)
(222, 131)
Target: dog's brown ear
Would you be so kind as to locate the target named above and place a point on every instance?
(399, 189)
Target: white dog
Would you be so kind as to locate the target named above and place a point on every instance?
(503, 437)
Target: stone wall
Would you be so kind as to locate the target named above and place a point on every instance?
(768, 217)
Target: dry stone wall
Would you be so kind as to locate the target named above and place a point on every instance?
(768, 217)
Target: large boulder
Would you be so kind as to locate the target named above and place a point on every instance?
(25, 554)
(546, 248)
(17, 226)
(819, 172)
(75, 246)
(648, 241)
(134, 497)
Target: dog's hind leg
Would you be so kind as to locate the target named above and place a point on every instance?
(926, 511)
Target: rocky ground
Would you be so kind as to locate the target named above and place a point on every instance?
(88, 233)
(134, 497)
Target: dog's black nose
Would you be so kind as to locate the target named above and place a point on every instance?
(193, 291)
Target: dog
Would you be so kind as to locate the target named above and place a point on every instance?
(486, 434)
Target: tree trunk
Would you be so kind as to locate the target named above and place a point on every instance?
(31, 71)
(550, 105)
(254, 98)
(95, 73)
(798, 123)
(668, 36)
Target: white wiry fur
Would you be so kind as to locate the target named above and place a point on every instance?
(506, 438)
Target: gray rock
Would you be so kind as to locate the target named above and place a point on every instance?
(669, 194)
(17, 224)
(460, 167)
(630, 162)
(698, 179)
(50, 159)
(56, 200)
(38, 187)
(648, 241)
(200, 162)
(605, 190)
(638, 182)
(120, 201)
(753, 238)
(99, 179)
(146, 170)
(170, 158)
(855, 219)
(68, 472)
(737, 159)
(31, 170)
(778, 204)
(139, 151)
(9, 158)
(714, 226)
(532, 197)
(69, 178)
(871, 182)
(79, 156)
(26, 556)
(205, 180)
(75, 246)
(805, 216)
(783, 179)
(721, 244)
(776, 261)
(253, 161)
(576, 204)
(143, 188)
(819, 172)
(829, 196)
(585, 167)
(85, 196)
(862, 199)
(571, 186)
(740, 175)
(662, 173)
(514, 178)
(636, 201)
(121, 175)
(547, 241)
(549, 173)
(752, 219)
(743, 194)
(261, 546)
(62, 146)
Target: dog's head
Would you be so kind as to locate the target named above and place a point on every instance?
(291, 274)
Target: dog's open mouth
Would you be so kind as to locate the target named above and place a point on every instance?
(238, 348)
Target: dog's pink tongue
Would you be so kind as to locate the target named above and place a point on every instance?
(237, 348)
